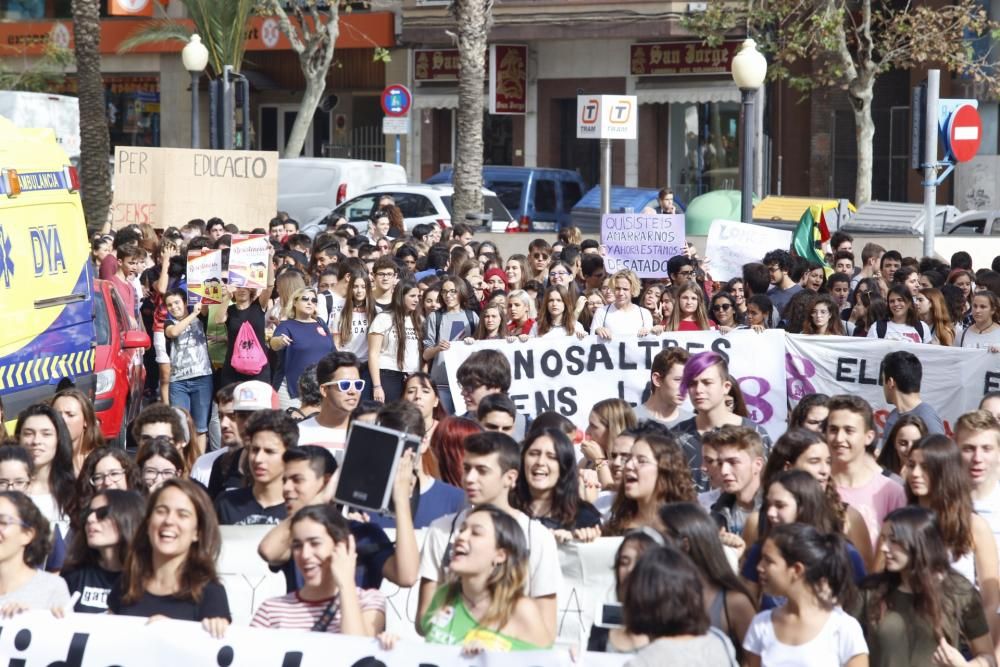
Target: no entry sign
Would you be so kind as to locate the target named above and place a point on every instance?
(963, 133)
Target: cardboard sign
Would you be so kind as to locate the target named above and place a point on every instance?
(641, 242)
(204, 276)
(170, 186)
(730, 245)
(248, 258)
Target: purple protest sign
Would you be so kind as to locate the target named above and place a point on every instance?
(641, 242)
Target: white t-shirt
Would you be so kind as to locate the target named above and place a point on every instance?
(201, 471)
(840, 640)
(989, 509)
(544, 574)
(969, 338)
(382, 324)
(329, 307)
(359, 335)
(311, 433)
(621, 322)
(556, 332)
(903, 332)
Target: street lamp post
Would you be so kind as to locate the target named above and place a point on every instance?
(195, 57)
(749, 70)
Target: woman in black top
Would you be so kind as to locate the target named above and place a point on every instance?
(99, 547)
(240, 306)
(170, 572)
(548, 487)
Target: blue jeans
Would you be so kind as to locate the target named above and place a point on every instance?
(195, 396)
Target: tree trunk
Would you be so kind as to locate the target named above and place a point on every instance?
(95, 143)
(473, 19)
(315, 63)
(864, 128)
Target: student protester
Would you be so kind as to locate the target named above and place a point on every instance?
(899, 440)
(588, 304)
(607, 419)
(158, 460)
(27, 540)
(269, 434)
(77, 412)
(901, 375)
(487, 372)
(839, 287)
(350, 327)
(328, 601)
(491, 467)
(492, 324)
(97, 551)
(170, 570)
(307, 482)
(759, 313)
(420, 390)
(824, 318)
(689, 313)
(516, 268)
(42, 431)
(447, 445)
(919, 610)
(779, 266)
(241, 306)
(229, 437)
(935, 480)
(393, 343)
(977, 434)
(522, 312)
(933, 312)
(843, 262)
(727, 601)
(340, 383)
(656, 472)
(723, 312)
(850, 431)
(983, 331)
(497, 412)
(130, 260)
(190, 367)
(104, 469)
(810, 413)
(903, 323)
(740, 455)
(301, 340)
(705, 381)
(665, 403)
(454, 321)
(548, 487)
(622, 317)
(812, 571)
(159, 420)
(664, 601)
(556, 319)
(964, 280)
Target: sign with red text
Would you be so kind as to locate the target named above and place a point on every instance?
(681, 58)
(435, 65)
(508, 72)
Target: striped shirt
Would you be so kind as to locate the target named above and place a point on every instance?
(291, 612)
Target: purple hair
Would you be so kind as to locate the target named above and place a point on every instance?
(698, 364)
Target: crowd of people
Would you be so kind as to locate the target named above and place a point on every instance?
(834, 544)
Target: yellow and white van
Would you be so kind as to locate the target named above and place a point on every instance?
(46, 277)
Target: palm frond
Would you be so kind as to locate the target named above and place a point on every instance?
(156, 31)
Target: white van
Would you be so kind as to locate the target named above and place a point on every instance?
(61, 113)
(309, 188)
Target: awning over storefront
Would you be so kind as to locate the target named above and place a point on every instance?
(705, 91)
(435, 100)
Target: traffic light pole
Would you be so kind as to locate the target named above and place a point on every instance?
(930, 160)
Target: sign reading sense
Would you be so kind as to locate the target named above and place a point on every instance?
(169, 186)
(641, 242)
(606, 116)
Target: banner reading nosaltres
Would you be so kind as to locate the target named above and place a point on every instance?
(36, 639)
(170, 186)
(569, 375)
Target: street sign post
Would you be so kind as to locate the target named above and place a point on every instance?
(963, 133)
(396, 102)
(606, 117)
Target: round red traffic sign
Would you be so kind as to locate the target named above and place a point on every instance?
(396, 100)
(965, 132)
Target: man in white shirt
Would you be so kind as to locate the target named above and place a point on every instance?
(340, 383)
(491, 464)
(978, 436)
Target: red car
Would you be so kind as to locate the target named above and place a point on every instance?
(121, 376)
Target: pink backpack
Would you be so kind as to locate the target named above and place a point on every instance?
(248, 356)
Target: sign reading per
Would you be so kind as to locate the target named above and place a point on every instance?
(606, 116)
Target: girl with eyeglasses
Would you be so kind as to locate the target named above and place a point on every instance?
(454, 321)
(158, 461)
(919, 611)
(104, 469)
(78, 413)
(301, 339)
(592, 301)
(723, 312)
(42, 431)
(394, 343)
(25, 542)
(98, 548)
(824, 318)
(350, 328)
(689, 311)
(561, 275)
(170, 570)
(556, 319)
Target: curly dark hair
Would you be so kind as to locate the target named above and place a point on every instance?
(85, 491)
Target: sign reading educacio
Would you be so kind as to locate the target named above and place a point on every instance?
(673, 58)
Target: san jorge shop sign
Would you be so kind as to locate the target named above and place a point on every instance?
(681, 58)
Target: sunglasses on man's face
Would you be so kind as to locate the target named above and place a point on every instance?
(346, 385)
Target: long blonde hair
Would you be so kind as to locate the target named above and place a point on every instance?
(616, 415)
(288, 309)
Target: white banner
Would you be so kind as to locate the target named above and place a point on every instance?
(570, 375)
(954, 379)
(36, 639)
(730, 245)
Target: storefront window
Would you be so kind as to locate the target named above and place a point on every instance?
(704, 151)
(132, 105)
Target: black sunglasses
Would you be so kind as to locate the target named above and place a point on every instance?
(101, 513)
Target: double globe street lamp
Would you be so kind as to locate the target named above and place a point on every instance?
(749, 69)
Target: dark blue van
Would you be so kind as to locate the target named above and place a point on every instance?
(539, 199)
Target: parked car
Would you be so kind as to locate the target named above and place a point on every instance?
(587, 213)
(539, 198)
(420, 204)
(309, 187)
(117, 364)
(975, 223)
